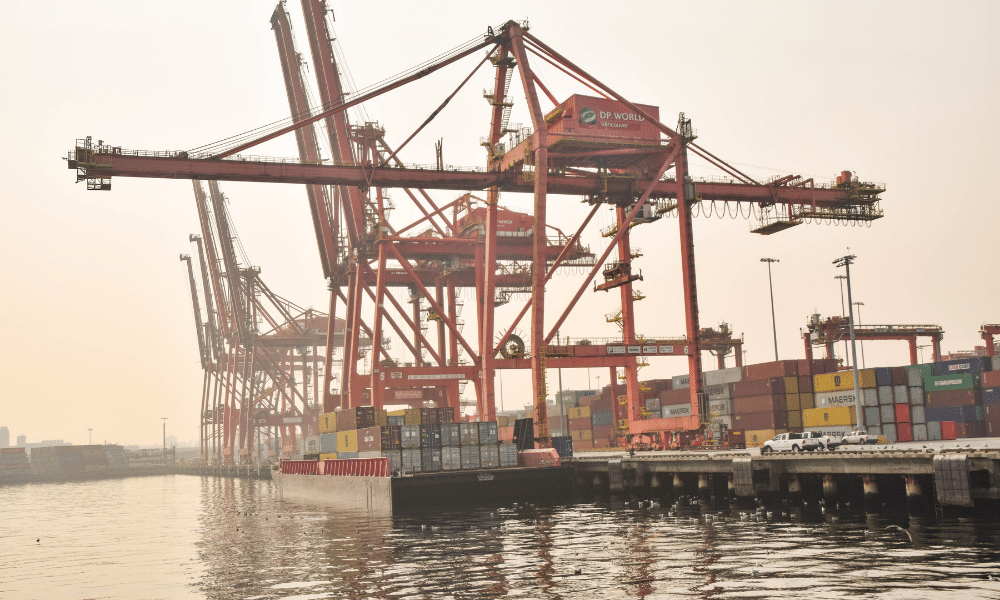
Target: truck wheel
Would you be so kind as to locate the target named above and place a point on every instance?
(795, 447)
(821, 447)
(765, 449)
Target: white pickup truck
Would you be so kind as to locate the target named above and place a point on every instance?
(825, 442)
(789, 442)
(860, 437)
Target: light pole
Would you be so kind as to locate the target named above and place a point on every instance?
(846, 261)
(843, 310)
(920, 349)
(90, 436)
(859, 305)
(774, 323)
(164, 433)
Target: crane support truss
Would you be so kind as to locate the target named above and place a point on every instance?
(495, 263)
(829, 331)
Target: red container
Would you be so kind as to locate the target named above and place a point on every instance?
(805, 384)
(506, 434)
(602, 433)
(971, 429)
(992, 426)
(757, 404)
(954, 398)
(898, 375)
(948, 430)
(761, 420)
(759, 387)
(803, 367)
(778, 368)
(583, 445)
(902, 413)
(820, 366)
(904, 432)
(583, 424)
(992, 411)
(448, 414)
(598, 405)
(680, 396)
(585, 117)
(586, 400)
(540, 457)
(990, 379)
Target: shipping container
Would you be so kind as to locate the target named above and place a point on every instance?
(807, 401)
(450, 435)
(916, 396)
(869, 397)
(759, 387)
(344, 455)
(563, 445)
(430, 435)
(470, 457)
(831, 399)
(751, 404)
(889, 432)
(875, 430)
(933, 430)
(328, 456)
(411, 459)
(653, 406)
(310, 445)
(805, 384)
(836, 416)
(991, 395)
(327, 443)
(872, 415)
(920, 432)
(676, 410)
(410, 436)
(447, 414)
(601, 434)
(794, 419)
(381, 418)
(580, 424)
(488, 433)
(948, 430)
(721, 391)
(951, 413)
(680, 382)
(972, 365)
(971, 429)
(947, 383)
(792, 402)
(468, 434)
(430, 458)
(756, 437)
(843, 380)
(508, 456)
(761, 420)
(412, 416)
(900, 394)
(887, 413)
(885, 394)
(723, 376)
(602, 418)
(395, 421)
(726, 420)
(489, 456)
(328, 423)
(671, 397)
(898, 375)
(917, 414)
(914, 376)
(954, 398)
(990, 379)
(834, 431)
(883, 376)
(778, 368)
(601, 405)
(582, 412)
(580, 436)
(902, 413)
(720, 407)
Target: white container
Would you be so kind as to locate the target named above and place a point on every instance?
(874, 430)
(914, 378)
(916, 396)
(833, 399)
(887, 413)
(870, 397)
(933, 430)
(900, 395)
(884, 394)
(451, 458)
(889, 433)
(311, 445)
(726, 420)
(681, 382)
(676, 410)
(731, 375)
(917, 415)
(919, 432)
(720, 391)
(720, 407)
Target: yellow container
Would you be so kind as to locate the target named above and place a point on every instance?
(332, 456)
(580, 412)
(843, 380)
(794, 419)
(582, 436)
(791, 385)
(412, 417)
(806, 401)
(381, 418)
(347, 441)
(792, 402)
(828, 417)
(397, 413)
(328, 423)
(756, 437)
(502, 421)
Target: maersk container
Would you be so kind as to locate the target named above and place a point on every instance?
(602, 418)
(411, 458)
(889, 432)
(830, 399)
(680, 382)
(508, 455)
(843, 380)
(488, 432)
(676, 410)
(884, 394)
(468, 434)
(934, 430)
(917, 414)
(430, 459)
(920, 432)
(451, 458)
(883, 376)
(470, 457)
(872, 415)
(900, 395)
(410, 436)
(887, 413)
(489, 456)
(721, 391)
(972, 365)
(869, 397)
(720, 407)
(450, 435)
(917, 396)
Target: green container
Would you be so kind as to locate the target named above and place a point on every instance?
(926, 370)
(947, 383)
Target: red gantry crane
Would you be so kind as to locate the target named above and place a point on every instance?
(829, 331)
(604, 148)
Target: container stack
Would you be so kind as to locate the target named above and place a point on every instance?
(835, 409)
(14, 465)
(991, 399)
(955, 404)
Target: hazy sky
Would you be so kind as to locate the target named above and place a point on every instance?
(97, 329)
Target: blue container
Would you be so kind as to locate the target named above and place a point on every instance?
(883, 376)
(991, 395)
(563, 445)
(602, 418)
(960, 414)
(973, 365)
(430, 437)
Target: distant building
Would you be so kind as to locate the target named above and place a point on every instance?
(22, 440)
(4, 437)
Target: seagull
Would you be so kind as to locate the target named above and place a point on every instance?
(39, 540)
(906, 531)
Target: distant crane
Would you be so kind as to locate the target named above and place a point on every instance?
(827, 332)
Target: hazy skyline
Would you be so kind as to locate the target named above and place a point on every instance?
(97, 329)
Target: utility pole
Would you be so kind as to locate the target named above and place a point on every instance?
(164, 433)
(859, 305)
(90, 436)
(774, 323)
(843, 310)
(846, 261)
(563, 424)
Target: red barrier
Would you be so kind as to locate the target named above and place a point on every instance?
(355, 467)
(300, 467)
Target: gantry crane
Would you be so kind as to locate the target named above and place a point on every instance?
(987, 332)
(560, 154)
(829, 331)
